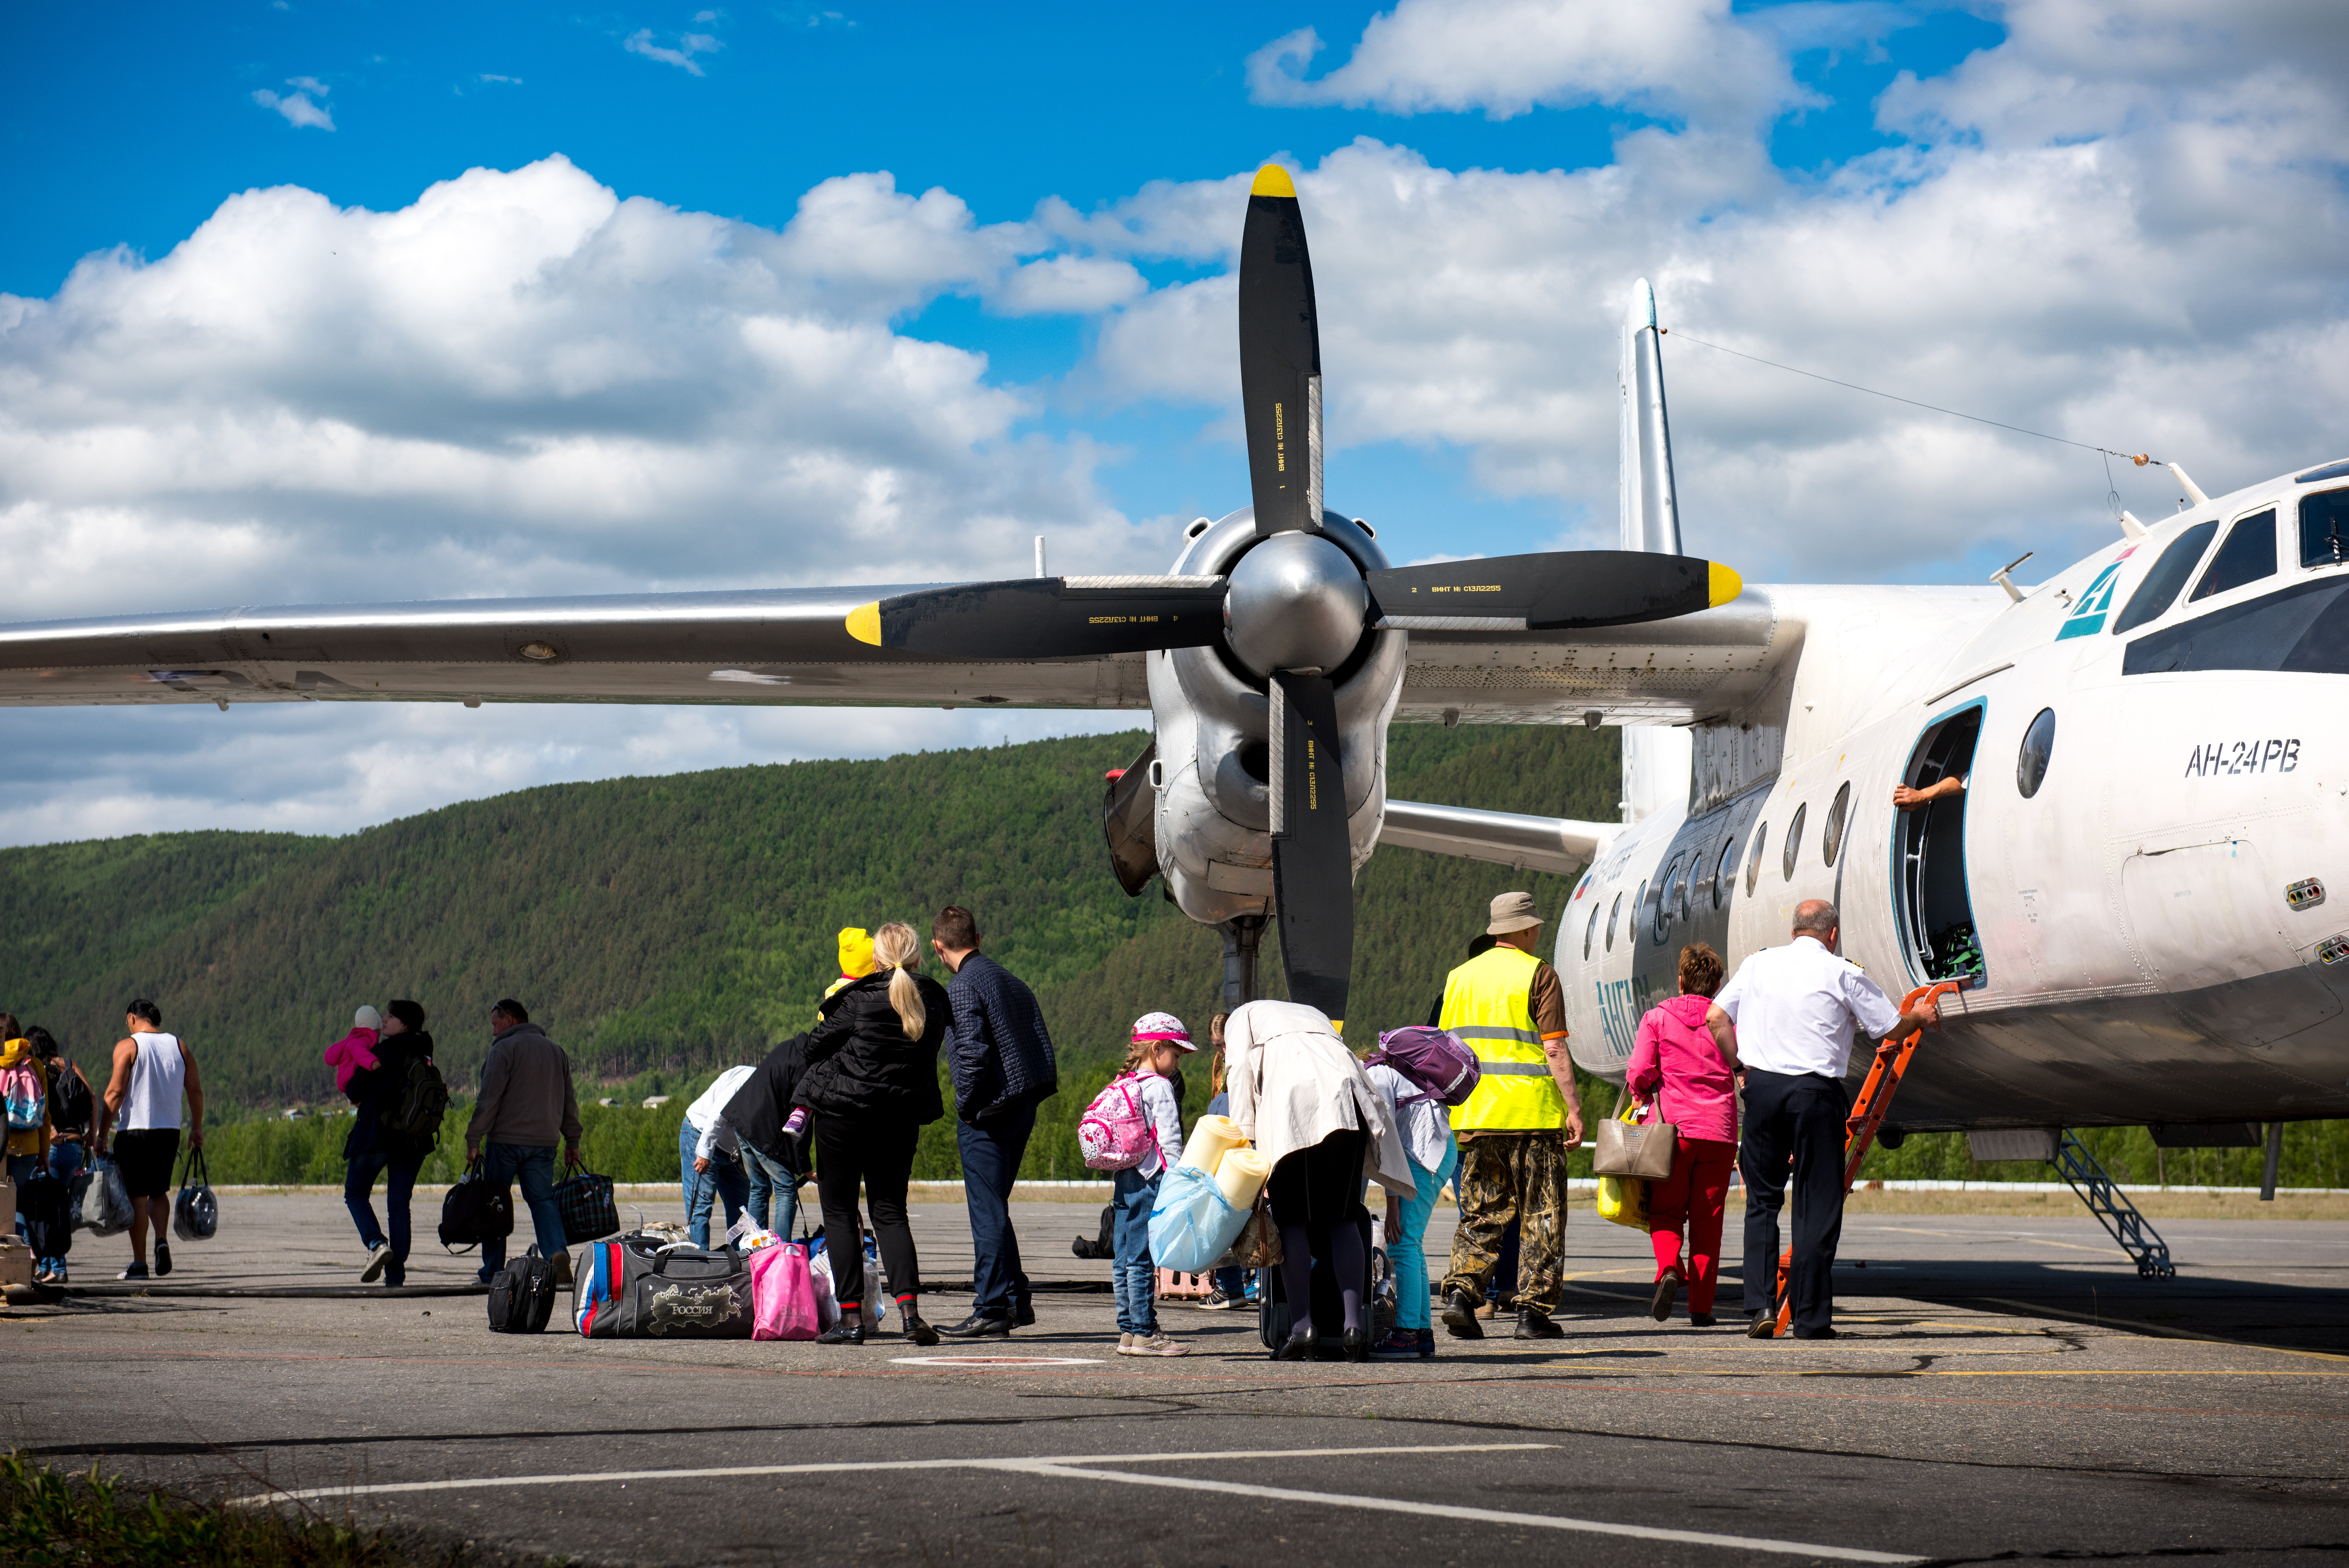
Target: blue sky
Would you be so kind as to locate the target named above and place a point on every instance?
(304, 302)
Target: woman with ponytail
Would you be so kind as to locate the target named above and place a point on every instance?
(872, 1084)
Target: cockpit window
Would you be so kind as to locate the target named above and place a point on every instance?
(2160, 587)
(2324, 528)
(2249, 555)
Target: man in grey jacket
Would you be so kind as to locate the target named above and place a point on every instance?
(526, 1101)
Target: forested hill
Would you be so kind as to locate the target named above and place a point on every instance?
(686, 922)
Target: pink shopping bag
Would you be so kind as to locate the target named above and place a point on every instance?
(783, 1293)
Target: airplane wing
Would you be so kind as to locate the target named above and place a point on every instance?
(791, 646)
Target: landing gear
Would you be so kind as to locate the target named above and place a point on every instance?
(1243, 936)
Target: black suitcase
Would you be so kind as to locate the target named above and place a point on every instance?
(522, 1295)
(1272, 1317)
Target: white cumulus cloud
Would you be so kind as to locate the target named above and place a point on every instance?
(299, 108)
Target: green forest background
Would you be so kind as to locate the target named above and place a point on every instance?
(664, 929)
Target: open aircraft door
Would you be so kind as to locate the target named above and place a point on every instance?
(1932, 905)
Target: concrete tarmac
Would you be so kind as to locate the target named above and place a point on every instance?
(2002, 1389)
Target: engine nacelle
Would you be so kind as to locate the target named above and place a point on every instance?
(1214, 722)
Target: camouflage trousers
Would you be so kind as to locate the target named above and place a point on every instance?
(1506, 1176)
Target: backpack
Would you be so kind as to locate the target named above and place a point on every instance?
(26, 1095)
(69, 1103)
(1114, 1133)
(413, 1106)
(1436, 1062)
(522, 1295)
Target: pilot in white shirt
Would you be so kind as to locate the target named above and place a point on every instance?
(1787, 1019)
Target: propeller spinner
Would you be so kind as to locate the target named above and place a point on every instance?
(1294, 607)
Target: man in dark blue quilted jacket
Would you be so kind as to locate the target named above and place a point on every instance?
(1002, 1062)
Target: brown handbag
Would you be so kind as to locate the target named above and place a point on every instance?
(1258, 1246)
(1627, 1147)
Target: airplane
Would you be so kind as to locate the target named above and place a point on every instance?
(2139, 913)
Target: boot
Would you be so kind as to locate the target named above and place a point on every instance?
(1460, 1316)
(1535, 1324)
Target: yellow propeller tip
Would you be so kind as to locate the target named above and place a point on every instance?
(864, 622)
(1272, 180)
(1723, 584)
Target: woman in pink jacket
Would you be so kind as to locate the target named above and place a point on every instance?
(1675, 1061)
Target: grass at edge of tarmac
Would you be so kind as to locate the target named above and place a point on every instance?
(52, 1519)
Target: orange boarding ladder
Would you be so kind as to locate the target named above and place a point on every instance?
(1868, 1113)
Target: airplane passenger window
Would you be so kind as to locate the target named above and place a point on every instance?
(2168, 574)
(1753, 857)
(1664, 900)
(1723, 872)
(1683, 888)
(2038, 744)
(1831, 840)
(1794, 841)
(1611, 915)
(2249, 555)
(2324, 528)
(1590, 932)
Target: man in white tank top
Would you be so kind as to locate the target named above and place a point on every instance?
(152, 1071)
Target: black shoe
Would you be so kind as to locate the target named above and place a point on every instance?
(1025, 1316)
(1765, 1326)
(920, 1332)
(849, 1330)
(1815, 1333)
(162, 1257)
(1460, 1316)
(1532, 1325)
(1668, 1290)
(978, 1326)
(1700, 1320)
(1358, 1344)
(1299, 1347)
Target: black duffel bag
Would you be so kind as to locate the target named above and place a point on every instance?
(639, 1287)
(477, 1209)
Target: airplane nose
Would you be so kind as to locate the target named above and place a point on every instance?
(1296, 602)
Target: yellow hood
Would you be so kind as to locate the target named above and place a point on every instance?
(855, 952)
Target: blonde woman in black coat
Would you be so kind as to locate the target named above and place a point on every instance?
(872, 1082)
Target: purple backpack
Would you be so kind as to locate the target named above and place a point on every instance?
(1435, 1060)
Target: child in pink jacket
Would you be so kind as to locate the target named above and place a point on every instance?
(1675, 1063)
(354, 1051)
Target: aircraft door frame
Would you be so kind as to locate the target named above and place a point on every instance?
(1911, 862)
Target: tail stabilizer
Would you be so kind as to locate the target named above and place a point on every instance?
(1658, 762)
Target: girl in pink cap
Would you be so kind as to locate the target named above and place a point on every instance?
(1159, 1043)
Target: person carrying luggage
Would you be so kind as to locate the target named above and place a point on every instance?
(1304, 1101)
(25, 1086)
(73, 1117)
(774, 1162)
(153, 1072)
(374, 1147)
(1425, 1123)
(872, 1085)
(709, 1157)
(1159, 1041)
(1003, 1066)
(1677, 1066)
(527, 1099)
(1517, 1128)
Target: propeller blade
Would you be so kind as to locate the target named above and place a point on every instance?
(1280, 359)
(1559, 589)
(1130, 823)
(1046, 618)
(1312, 862)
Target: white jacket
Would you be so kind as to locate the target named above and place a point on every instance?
(1293, 1083)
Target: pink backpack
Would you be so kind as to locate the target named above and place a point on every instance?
(783, 1293)
(1114, 1133)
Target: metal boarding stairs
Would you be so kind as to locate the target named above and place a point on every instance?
(2078, 1168)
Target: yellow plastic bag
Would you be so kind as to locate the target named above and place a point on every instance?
(1623, 1199)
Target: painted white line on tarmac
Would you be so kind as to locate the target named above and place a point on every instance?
(1473, 1515)
(995, 1360)
(588, 1478)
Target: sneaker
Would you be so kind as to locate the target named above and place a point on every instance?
(1427, 1345)
(162, 1257)
(1403, 1344)
(1156, 1344)
(1216, 1302)
(1125, 1345)
(379, 1259)
(563, 1270)
(135, 1271)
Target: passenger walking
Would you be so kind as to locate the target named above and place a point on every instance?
(1300, 1095)
(872, 1082)
(527, 1104)
(373, 1148)
(1003, 1066)
(1506, 1005)
(24, 1088)
(1159, 1041)
(774, 1162)
(1787, 1017)
(73, 1117)
(1425, 1122)
(709, 1157)
(1677, 1064)
(152, 1073)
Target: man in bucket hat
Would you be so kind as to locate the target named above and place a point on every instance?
(1515, 1131)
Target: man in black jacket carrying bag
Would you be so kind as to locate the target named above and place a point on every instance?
(1002, 1062)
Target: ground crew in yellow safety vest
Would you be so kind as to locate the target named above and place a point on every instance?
(1506, 1005)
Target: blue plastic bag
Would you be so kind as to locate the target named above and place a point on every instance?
(1193, 1225)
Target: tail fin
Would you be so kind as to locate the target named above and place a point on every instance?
(1658, 762)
